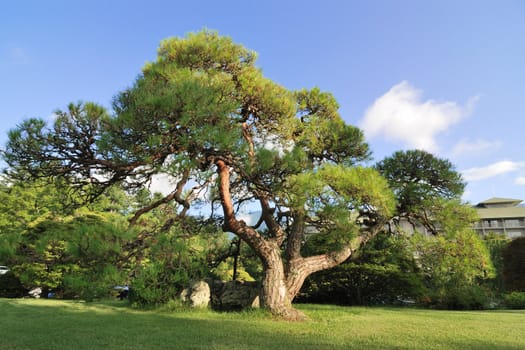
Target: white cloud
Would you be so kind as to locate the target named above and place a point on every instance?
(467, 147)
(520, 180)
(274, 143)
(250, 218)
(165, 184)
(401, 116)
(162, 183)
(499, 168)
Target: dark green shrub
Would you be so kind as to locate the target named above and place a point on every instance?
(384, 273)
(156, 284)
(465, 297)
(92, 284)
(362, 284)
(514, 300)
(514, 265)
(11, 287)
(173, 259)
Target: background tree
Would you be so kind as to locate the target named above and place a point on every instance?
(75, 256)
(496, 244)
(454, 267)
(452, 258)
(205, 114)
(48, 243)
(423, 184)
(22, 203)
(84, 252)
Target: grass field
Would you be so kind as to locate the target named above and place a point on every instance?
(54, 324)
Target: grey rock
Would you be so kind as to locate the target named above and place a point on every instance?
(234, 295)
(198, 294)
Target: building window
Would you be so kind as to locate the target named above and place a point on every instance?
(512, 223)
(493, 223)
(514, 234)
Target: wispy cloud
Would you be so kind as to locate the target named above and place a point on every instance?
(499, 168)
(520, 180)
(400, 115)
(467, 147)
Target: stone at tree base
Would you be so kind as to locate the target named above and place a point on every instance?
(223, 296)
(198, 294)
(235, 295)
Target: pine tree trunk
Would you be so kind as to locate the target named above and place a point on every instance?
(274, 291)
(296, 277)
(274, 294)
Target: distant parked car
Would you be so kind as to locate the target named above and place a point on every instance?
(4, 270)
(123, 291)
(10, 285)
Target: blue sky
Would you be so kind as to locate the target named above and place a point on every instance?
(445, 76)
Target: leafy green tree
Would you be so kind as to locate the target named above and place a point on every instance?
(453, 267)
(49, 242)
(83, 252)
(22, 203)
(453, 258)
(76, 256)
(496, 244)
(205, 114)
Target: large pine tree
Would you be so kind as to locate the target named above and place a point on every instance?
(205, 114)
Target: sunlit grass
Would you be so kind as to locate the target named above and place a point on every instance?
(54, 324)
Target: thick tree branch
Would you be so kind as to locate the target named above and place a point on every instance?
(295, 237)
(277, 233)
(175, 195)
(300, 268)
(248, 137)
(263, 248)
(230, 221)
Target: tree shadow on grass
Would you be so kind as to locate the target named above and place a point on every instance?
(74, 325)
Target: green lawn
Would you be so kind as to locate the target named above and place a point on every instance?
(54, 324)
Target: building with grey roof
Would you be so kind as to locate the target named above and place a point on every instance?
(502, 216)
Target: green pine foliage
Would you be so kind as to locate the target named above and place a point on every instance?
(185, 252)
(73, 256)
